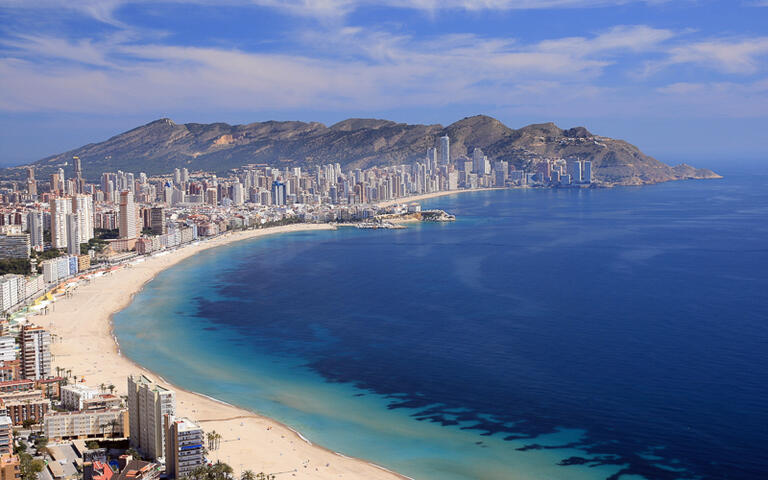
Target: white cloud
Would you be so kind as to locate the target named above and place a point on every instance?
(741, 56)
(104, 10)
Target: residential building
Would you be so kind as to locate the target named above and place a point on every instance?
(127, 215)
(157, 221)
(444, 150)
(82, 206)
(574, 170)
(35, 228)
(112, 423)
(184, 447)
(24, 406)
(9, 467)
(6, 435)
(73, 396)
(15, 245)
(35, 352)
(60, 208)
(148, 404)
(132, 469)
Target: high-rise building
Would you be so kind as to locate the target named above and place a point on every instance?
(148, 404)
(444, 150)
(157, 221)
(31, 182)
(14, 245)
(35, 352)
(478, 161)
(127, 215)
(432, 159)
(587, 178)
(574, 170)
(82, 206)
(183, 447)
(238, 193)
(79, 181)
(73, 234)
(278, 193)
(60, 208)
(6, 435)
(35, 227)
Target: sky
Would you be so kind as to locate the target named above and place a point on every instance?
(685, 80)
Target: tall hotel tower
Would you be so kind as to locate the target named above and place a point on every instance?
(148, 405)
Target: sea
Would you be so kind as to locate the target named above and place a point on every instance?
(545, 334)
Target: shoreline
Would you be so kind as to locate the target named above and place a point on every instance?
(84, 342)
(427, 196)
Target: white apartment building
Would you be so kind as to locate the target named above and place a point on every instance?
(86, 424)
(7, 349)
(35, 352)
(148, 404)
(73, 396)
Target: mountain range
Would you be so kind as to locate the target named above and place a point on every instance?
(160, 146)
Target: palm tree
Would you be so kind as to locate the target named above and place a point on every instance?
(248, 475)
(102, 388)
(113, 424)
(218, 439)
(69, 373)
(209, 436)
(111, 388)
(75, 378)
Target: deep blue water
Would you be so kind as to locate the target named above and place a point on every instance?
(547, 334)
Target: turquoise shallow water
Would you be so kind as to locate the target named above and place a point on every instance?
(546, 334)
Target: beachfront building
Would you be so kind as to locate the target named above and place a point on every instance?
(35, 352)
(183, 447)
(73, 397)
(148, 404)
(127, 215)
(86, 424)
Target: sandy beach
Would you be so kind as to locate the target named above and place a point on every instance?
(427, 196)
(83, 342)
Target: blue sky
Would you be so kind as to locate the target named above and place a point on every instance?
(685, 80)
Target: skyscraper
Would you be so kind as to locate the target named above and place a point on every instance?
(183, 447)
(478, 161)
(127, 215)
(574, 170)
(35, 352)
(79, 180)
(60, 208)
(148, 405)
(35, 227)
(587, 172)
(73, 234)
(82, 206)
(31, 182)
(278, 193)
(157, 221)
(444, 150)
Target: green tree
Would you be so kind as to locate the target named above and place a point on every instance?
(29, 467)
